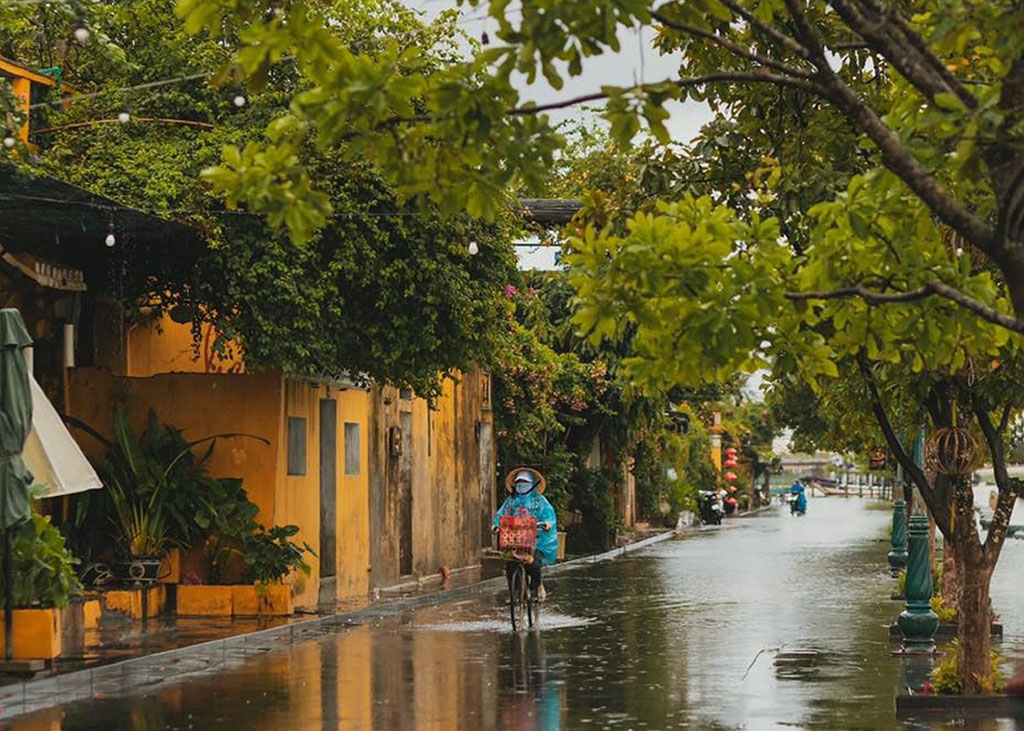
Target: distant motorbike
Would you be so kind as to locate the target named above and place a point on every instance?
(792, 498)
(709, 508)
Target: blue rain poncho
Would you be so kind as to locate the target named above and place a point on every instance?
(801, 497)
(538, 506)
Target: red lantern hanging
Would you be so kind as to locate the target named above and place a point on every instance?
(730, 462)
(730, 476)
(731, 451)
(733, 488)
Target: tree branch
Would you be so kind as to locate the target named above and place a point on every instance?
(1007, 488)
(927, 289)
(910, 56)
(939, 510)
(769, 30)
(735, 48)
(899, 160)
(724, 77)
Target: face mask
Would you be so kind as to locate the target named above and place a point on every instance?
(523, 487)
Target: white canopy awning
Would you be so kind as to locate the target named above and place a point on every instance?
(52, 455)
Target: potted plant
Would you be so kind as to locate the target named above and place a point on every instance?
(44, 580)
(159, 495)
(137, 482)
(271, 556)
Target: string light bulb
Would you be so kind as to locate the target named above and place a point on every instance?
(80, 32)
(239, 101)
(111, 239)
(124, 116)
(474, 249)
(9, 140)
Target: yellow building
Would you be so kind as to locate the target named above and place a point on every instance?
(383, 486)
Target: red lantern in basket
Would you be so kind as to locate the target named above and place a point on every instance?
(730, 500)
(730, 476)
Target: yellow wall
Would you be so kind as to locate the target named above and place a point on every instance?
(298, 500)
(166, 346)
(450, 476)
(200, 405)
(354, 499)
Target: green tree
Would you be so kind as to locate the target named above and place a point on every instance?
(386, 289)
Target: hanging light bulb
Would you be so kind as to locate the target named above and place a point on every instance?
(9, 140)
(80, 32)
(124, 116)
(239, 101)
(473, 248)
(110, 240)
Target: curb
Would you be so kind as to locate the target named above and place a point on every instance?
(148, 671)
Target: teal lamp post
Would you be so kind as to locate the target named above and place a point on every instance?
(898, 553)
(918, 622)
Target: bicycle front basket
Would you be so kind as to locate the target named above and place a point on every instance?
(517, 533)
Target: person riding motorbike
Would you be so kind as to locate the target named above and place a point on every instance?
(526, 490)
(798, 498)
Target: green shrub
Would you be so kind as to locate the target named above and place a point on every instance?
(271, 555)
(946, 674)
(44, 569)
(944, 612)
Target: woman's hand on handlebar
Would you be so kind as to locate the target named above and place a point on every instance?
(545, 526)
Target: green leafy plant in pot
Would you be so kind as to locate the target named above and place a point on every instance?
(158, 494)
(44, 570)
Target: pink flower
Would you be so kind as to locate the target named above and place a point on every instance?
(510, 291)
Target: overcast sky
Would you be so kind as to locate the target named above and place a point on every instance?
(637, 62)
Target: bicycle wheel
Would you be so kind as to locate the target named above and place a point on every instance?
(518, 596)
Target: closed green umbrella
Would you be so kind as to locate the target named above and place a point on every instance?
(15, 424)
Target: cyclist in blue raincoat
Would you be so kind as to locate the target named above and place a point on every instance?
(797, 488)
(526, 490)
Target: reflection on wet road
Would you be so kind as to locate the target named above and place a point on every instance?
(768, 622)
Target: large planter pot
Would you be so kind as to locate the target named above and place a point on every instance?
(204, 600)
(958, 708)
(275, 600)
(245, 602)
(240, 600)
(37, 634)
(136, 603)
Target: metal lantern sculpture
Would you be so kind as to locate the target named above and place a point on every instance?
(952, 451)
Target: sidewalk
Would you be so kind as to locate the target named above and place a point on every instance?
(171, 649)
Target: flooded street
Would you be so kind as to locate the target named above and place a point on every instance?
(770, 621)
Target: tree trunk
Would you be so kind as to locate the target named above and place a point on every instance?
(974, 653)
(950, 592)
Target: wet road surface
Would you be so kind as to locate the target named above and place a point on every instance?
(767, 622)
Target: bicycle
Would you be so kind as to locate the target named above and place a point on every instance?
(521, 602)
(517, 535)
